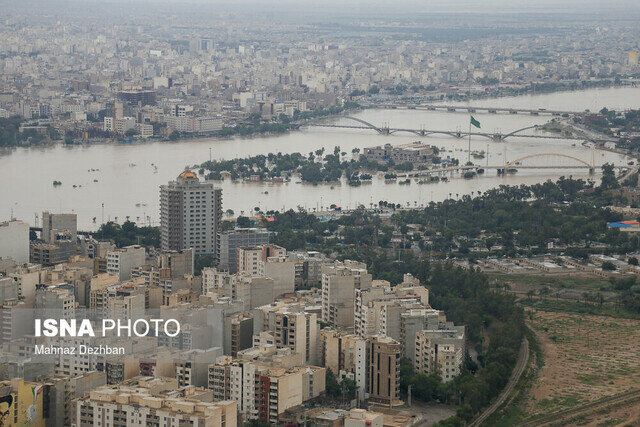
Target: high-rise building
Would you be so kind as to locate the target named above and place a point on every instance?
(339, 282)
(384, 370)
(298, 331)
(190, 213)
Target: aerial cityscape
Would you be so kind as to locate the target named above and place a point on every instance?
(298, 213)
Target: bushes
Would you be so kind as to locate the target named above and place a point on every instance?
(129, 234)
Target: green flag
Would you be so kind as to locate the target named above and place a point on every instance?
(475, 122)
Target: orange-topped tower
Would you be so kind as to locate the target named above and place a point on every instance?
(190, 213)
(187, 174)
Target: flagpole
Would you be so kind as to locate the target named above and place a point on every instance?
(469, 152)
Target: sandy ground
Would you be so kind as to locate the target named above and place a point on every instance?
(586, 358)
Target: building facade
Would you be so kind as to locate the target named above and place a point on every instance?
(190, 214)
(231, 240)
(384, 371)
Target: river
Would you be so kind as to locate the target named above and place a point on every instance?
(125, 178)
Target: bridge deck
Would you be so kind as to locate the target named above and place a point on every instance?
(456, 134)
(473, 109)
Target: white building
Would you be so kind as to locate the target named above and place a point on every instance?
(121, 261)
(124, 124)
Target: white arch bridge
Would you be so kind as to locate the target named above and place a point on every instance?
(495, 136)
(515, 164)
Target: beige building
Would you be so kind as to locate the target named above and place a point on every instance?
(154, 401)
(290, 326)
(190, 214)
(415, 152)
(254, 291)
(58, 223)
(384, 371)
(346, 355)
(339, 282)
(265, 382)
(250, 258)
(440, 351)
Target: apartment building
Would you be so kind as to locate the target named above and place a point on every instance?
(234, 379)
(366, 310)
(250, 258)
(265, 383)
(384, 371)
(254, 291)
(239, 332)
(339, 282)
(231, 240)
(190, 214)
(55, 301)
(412, 322)
(290, 326)
(154, 401)
(346, 355)
(214, 279)
(298, 331)
(121, 261)
(61, 391)
(441, 351)
(176, 263)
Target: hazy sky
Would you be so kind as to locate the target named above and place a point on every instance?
(492, 6)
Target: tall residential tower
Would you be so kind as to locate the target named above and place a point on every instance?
(190, 213)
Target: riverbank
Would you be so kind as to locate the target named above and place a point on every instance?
(102, 172)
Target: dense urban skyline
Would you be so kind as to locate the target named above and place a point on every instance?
(340, 213)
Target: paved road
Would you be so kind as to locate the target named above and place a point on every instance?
(523, 358)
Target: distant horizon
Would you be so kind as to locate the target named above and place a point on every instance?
(494, 7)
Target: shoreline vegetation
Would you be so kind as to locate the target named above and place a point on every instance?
(314, 168)
(11, 137)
